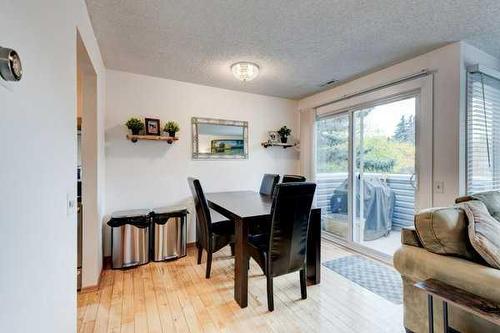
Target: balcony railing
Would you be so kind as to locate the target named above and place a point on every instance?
(401, 184)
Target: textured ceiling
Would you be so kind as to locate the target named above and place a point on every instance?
(298, 44)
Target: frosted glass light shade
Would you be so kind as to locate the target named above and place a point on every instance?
(245, 71)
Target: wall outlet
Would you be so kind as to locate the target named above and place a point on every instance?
(439, 186)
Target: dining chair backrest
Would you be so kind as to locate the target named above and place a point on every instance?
(293, 179)
(268, 183)
(203, 218)
(290, 213)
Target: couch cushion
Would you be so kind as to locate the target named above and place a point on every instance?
(444, 231)
(484, 231)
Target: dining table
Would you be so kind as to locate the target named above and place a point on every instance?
(247, 207)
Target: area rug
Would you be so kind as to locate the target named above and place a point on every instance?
(369, 274)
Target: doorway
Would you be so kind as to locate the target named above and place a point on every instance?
(86, 169)
(384, 173)
(373, 167)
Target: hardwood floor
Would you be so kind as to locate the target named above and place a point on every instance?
(175, 297)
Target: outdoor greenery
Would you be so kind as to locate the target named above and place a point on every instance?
(332, 147)
(405, 130)
(381, 153)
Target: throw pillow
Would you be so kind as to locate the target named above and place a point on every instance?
(491, 200)
(484, 231)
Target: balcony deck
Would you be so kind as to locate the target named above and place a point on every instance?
(403, 207)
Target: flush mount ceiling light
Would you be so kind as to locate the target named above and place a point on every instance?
(245, 71)
(10, 65)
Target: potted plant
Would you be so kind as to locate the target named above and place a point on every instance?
(171, 127)
(135, 125)
(284, 132)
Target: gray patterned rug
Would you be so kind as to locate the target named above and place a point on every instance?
(376, 277)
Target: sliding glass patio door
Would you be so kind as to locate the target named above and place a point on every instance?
(373, 167)
(384, 181)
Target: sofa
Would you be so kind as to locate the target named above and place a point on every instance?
(438, 247)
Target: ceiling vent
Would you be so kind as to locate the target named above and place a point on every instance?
(328, 83)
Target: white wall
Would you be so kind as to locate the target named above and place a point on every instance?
(446, 62)
(37, 173)
(149, 174)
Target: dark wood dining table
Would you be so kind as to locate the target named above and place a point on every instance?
(246, 207)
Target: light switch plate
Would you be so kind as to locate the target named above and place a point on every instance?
(439, 186)
(70, 205)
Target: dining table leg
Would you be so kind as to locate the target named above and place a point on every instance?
(240, 263)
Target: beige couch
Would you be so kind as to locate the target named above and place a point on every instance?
(417, 264)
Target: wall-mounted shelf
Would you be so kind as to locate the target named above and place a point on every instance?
(278, 144)
(135, 138)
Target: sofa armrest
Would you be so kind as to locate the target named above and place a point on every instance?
(409, 237)
(418, 264)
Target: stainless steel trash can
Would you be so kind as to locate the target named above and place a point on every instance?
(130, 238)
(169, 233)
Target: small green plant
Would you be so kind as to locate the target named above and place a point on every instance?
(171, 127)
(284, 132)
(135, 125)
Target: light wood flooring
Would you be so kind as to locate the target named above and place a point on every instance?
(175, 297)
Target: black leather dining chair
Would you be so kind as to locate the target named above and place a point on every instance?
(283, 250)
(293, 179)
(268, 183)
(211, 235)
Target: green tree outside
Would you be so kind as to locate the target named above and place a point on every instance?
(382, 153)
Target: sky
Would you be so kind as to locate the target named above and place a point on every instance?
(384, 118)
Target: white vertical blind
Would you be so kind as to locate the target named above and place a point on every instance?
(483, 132)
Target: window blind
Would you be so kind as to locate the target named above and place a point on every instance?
(483, 132)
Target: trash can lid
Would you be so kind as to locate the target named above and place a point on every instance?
(170, 211)
(136, 217)
(130, 213)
